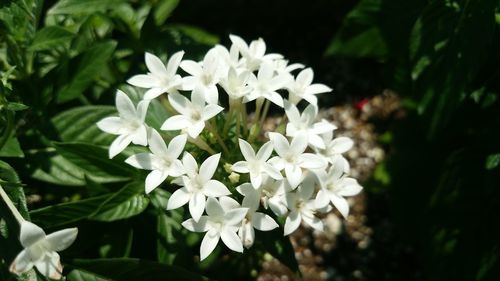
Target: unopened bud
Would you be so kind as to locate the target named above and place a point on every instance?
(234, 178)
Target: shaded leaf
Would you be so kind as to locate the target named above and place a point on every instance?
(50, 37)
(127, 202)
(82, 6)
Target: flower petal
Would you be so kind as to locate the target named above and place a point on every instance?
(179, 198)
(22, 263)
(197, 205)
(214, 209)
(142, 161)
(292, 222)
(341, 204)
(281, 145)
(154, 93)
(240, 167)
(192, 68)
(173, 63)
(231, 240)
(154, 179)
(176, 122)
(235, 216)
(180, 103)
(50, 266)
(208, 167)
(350, 187)
(227, 203)
(246, 149)
(119, 144)
(210, 111)
(144, 81)
(209, 243)
(111, 125)
(214, 188)
(299, 143)
(247, 235)
(263, 222)
(305, 77)
(140, 136)
(317, 89)
(322, 199)
(124, 105)
(293, 175)
(272, 171)
(190, 165)
(311, 161)
(265, 151)
(30, 234)
(176, 146)
(341, 144)
(155, 65)
(200, 226)
(62, 239)
(313, 222)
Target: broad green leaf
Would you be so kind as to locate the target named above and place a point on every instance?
(492, 161)
(47, 165)
(79, 124)
(95, 162)
(12, 186)
(88, 66)
(15, 106)
(198, 35)
(163, 9)
(127, 202)
(82, 275)
(135, 269)
(50, 37)
(82, 6)
(11, 148)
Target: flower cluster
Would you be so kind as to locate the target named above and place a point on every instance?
(296, 172)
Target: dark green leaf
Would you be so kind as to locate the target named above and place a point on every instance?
(11, 148)
(48, 166)
(79, 124)
(15, 106)
(82, 6)
(127, 202)
(492, 161)
(81, 275)
(50, 37)
(135, 269)
(163, 10)
(89, 67)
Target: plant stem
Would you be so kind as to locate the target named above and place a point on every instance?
(202, 145)
(217, 137)
(10, 205)
(229, 116)
(164, 101)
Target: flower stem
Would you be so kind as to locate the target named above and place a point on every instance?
(10, 205)
(217, 137)
(245, 115)
(229, 118)
(164, 101)
(201, 144)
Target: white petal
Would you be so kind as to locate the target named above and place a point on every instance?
(124, 105)
(251, 201)
(277, 205)
(293, 175)
(197, 205)
(317, 89)
(292, 222)
(235, 216)
(176, 122)
(179, 198)
(342, 144)
(195, 129)
(30, 234)
(210, 111)
(227, 203)
(247, 150)
(313, 222)
(263, 222)
(50, 266)
(316, 141)
(155, 65)
(144, 81)
(350, 187)
(231, 240)
(22, 263)
(142, 110)
(157, 144)
(240, 167)
(140, 136)
(208, 244)
(208, 167)
(247, 235)
(341, 204)
(200, 226)
(62, 239)
(180, 103)
(299, 143)
(190, 165)
(305, 77)
(275, 98)
(323, 127)
(256, 179)
(265, 151)
(292, 112)
(153, 93)
(192, 68)
(119, 144)
(322, 199)
(245, 189)
(142, 161)
(311, 99)
(214, 209)
(212, 95)
(154, 179)
(266, 71)
(111, 125)
(176, 169)
(272, 171)
(311, 161)
(214, 188)
(281, 145)
(173, 63)
(176, 146)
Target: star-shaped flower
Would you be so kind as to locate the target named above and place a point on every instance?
(197, 185)
(162, 161)
(256, 165)
(301, 88)
(271, 193)
(40, 250)
(334, 147)
(160, 79)
(235, 84)
(266, 84)
(193, 114)
(302, 208)
(220, 223)
(129, 125)
(255, 54)
(292, 158)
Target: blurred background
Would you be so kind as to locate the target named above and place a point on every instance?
(416, 85)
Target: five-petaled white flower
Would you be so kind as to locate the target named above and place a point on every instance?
(193, 114)
(235, 84)
(335, 185)
(197, 185)
(305, 124)
(301, 88)
(40, 250)
(271, 193)
(160, 79)
(222, 222)
(162, 161)
(292, 158)
(256, 165)
(255, 54)
(302, 208)
(265, 85)
(334, 147)
(129, 125)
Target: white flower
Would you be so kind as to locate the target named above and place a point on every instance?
(162, 162)
(197, 185)
(282, 66)
(221, 223)
(255, 54)
(40, 250)
(160, 79)
(271, 193)
(334, 147)
(235, 84)
(335, 185)
(256, 165)
(230, 58)
(305, 124)
(193, 114)
(253, 219)
(301, 88)
(266, 84)
(302, 208)
(204, 75)
(292, 158)
(129, 125)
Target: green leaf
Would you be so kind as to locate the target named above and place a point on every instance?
(281, 248)
(127, 202)
(81, 275)
(15, 106)
(12, 185)
(163, 10)
(95, 163)
(135, 269)
(47, 165)
(89, 65)
(492, 161)
(79, 124)
(50, 37)
(196, 34)
(11, 148)
(82, 6)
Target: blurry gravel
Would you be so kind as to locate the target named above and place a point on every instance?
(314, 249)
